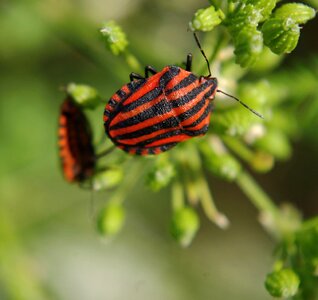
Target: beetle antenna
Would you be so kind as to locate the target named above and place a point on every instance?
(206, 59)
(242, 103)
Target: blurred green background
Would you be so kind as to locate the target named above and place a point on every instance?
(49, 248)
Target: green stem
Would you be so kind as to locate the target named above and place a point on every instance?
(257, 196)
(177, 196)
(239, 148)
(208, 205)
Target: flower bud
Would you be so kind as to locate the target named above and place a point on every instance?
(300, 13)
(281, 35)
(281, 32)
(248, 46)
(185, 224)
(107, 179)
(283, 283)
(222, 165)
(264, 6)
(206, 19)
(114, 37)
(84, 95)
(247, 16)
(161, 175)
(111, 219)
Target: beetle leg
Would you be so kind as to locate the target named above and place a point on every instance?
(150, 69)
(189, 62)
(134, 76)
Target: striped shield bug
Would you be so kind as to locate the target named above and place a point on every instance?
(76, 150)
(152, 114)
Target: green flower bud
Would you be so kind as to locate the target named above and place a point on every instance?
(114, 37)
(161, 174)
(247, 16)
(185, 224)
(281, 35)
(264, 6)
(298, 12)
(248, 46)
(283, 283)
(206, 19)
(275, 143)
(221, 164)
(84, 95)
(107, 179)
(111, 219)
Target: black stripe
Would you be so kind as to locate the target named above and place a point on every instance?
(166, 124)
(160, 137)
(133, 86)
(151, 151)
(106, 113)
(183, 83)
(201, 131)
(192, 111)
(112, 102)
(164, 79)
(121, 93)
(158, 109)
(166, 147)
(195, 109)
(143, 99)
(138, 151)
(199, 120)
(192, 94)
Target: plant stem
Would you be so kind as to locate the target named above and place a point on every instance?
(208, 205)
(177, 196)
(257, 196)
(239, 148)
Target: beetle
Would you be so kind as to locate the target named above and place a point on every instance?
(76, 149)
(152, 114)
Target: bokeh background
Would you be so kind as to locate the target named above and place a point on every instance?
(49, 247)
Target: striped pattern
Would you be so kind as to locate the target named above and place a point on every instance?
(75, 143)
(152, 115)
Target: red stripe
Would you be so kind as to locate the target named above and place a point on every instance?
(149, 85)
(172, 139)
(126, 115)
(137, 140)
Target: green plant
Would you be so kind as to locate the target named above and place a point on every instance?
(255, 35)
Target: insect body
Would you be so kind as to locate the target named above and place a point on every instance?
(153, 114)
(75, 143)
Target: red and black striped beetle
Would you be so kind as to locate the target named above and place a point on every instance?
(76, 149)
(152, 114)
